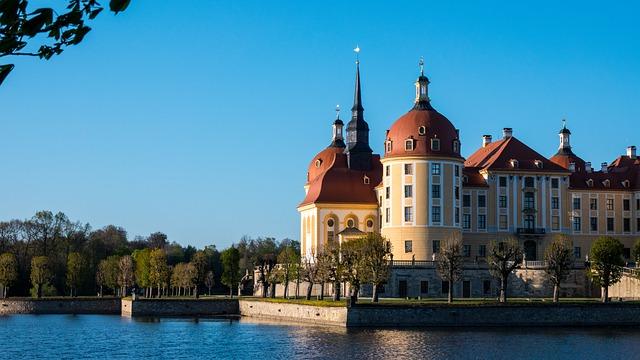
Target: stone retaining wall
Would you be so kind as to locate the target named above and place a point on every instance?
(515, 315)
(179, 307)
(627, 288)
(322, 315)
(108, 306)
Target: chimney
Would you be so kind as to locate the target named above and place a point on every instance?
(604, 167)
(587, 166)
(631, 151)
(507, 132)
(572, 167)
(486, 140)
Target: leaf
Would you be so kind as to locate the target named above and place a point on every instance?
(94, 13)
(118, 5)
(4, 71)
(36, 24)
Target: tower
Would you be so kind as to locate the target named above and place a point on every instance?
(358, 150)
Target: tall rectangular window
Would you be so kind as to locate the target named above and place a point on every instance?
(554, 183)
(609, 204)
(529, 200)
(445, 287)
(435, 246)
(593, 204)
(456, 218)
(424, 287)
(387, 192)
(482, 200)
(387, 215)
(466, 250)
(387, 170)
(576, 203)
(555, 223)
(435, 191)
(503, 222)
(555, 203)
(466, 200)
(408, 246)
(435, 214)
(466, 221)
(626, 225)
(577, 223)
(435, 169)
(456, 171)
(610, 225)
(482, 250)
(626, 205)
(408, 169)
(577, 252)
(594, 224)
(408, 191)
(435, 144)
(482, 222)
(502, 180)
(502, 201)
(408, 213)
(456, 192)
(529, 182)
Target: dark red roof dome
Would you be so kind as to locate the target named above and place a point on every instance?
(421, 125)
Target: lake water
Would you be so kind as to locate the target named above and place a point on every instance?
(109, 337)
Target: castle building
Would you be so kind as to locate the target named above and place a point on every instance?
(421, 191)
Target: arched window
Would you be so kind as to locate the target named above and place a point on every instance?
(351, 223)
(318, 163)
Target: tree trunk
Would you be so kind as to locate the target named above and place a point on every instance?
(297, 288)
(100, 292)
(273, 290)
(605, 294)
(450, 295)
(322, 291)
(195, 290)
(355, 289)
(231, 292)
(503, 289)
(159, 293)
(264, 289)
(285, 294)
(39, 291)
(309, 290)
(374, 298)
(336, 291)
(556, 292)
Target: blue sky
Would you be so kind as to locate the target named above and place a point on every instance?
(199, 118)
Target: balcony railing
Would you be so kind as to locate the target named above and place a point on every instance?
(531, 231)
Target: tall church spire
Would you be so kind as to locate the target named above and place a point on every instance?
(358, 149)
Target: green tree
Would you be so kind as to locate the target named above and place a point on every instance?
(230, 268)
(354, 265)
(209, 281)
(287, 258)
(201, 264)
(559, 261)
(22, 27)
(8, 272)
(376, 251)
(75, 269)
(503, 258)
(449, 263)
(107, 274)
(158, 269)
(636, 252)
(142, 266)
(605, 263)
(40, 273)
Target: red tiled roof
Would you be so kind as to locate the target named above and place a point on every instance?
(565, 157)
(620, 170)
(473, 177)
(435, 125)
(498, 155)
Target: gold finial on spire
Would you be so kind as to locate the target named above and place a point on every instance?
(421, 63)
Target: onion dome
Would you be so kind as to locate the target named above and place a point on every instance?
(422, 131)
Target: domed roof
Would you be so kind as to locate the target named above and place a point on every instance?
(322, 162)
(422, 124)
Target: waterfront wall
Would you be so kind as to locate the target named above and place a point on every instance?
(321, 315)
(108, 306)
(179, 307)
(627, 288)
(513, 315)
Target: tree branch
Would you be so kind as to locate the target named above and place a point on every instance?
(19, 54)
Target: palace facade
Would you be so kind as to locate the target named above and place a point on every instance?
(422, 191)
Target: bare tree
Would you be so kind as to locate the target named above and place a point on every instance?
(376, 251)
(209, 281)
(310, 273)
(125, 273)
(449, 263)
(559, 260)
(504, 257)
(287, 258)
(355, 271)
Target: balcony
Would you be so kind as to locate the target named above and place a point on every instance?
(531, 231)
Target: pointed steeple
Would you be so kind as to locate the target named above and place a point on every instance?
(358, 149)
(565, 134)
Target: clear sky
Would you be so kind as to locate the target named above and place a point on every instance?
(199, 118)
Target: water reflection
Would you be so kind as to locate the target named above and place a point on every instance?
(90, 336)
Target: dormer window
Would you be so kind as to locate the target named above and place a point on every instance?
(422, 130)
(366, 179)
(318, 163)
(538, 164)
(514, 163)
(388, 146)
(607, 183)
(435, 144)
(590, 183)
(465, 179)
(456, 146)
(408, 145)
(626, 184)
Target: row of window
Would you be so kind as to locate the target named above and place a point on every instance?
(528, 182)
(610, 204)
(593, 224)
(409, 145)
(482, 200)
(436, 169)
(436, 216)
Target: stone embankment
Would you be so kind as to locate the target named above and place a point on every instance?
(106, 306)
(323, 315)
(179, 307)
